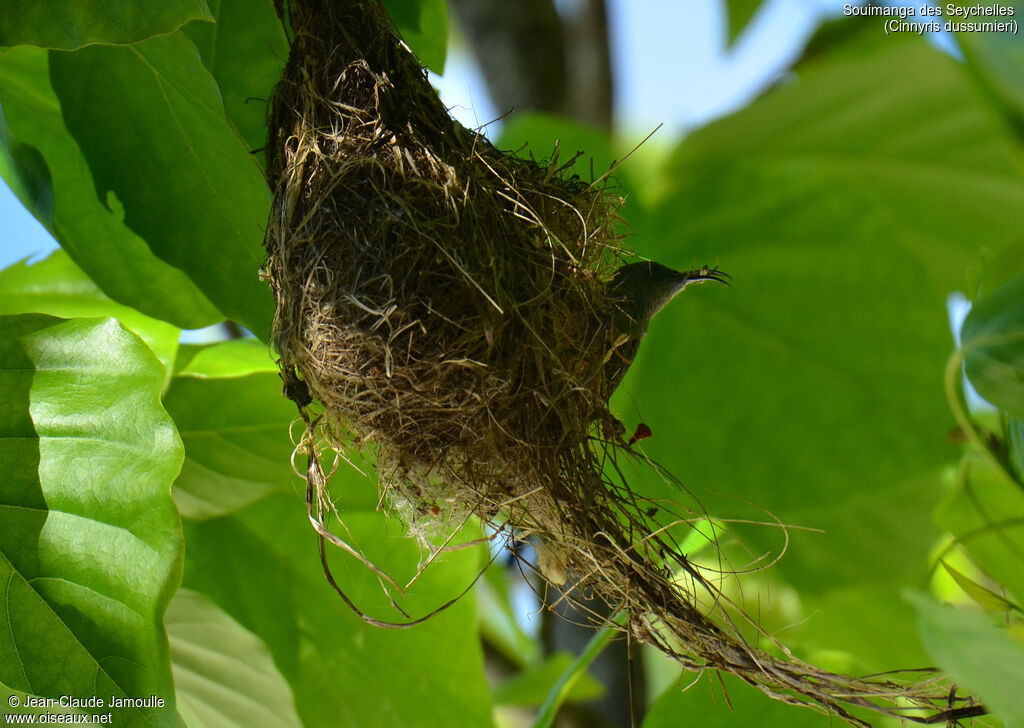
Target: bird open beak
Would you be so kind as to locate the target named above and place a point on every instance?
(708, 274)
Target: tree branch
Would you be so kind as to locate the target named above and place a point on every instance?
(521, 51)
(590, 91)
(534, 60)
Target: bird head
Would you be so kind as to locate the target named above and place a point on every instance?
(641, 290)
(638, 291)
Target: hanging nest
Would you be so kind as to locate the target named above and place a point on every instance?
(448, 303)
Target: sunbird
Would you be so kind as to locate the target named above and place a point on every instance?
(638, 292)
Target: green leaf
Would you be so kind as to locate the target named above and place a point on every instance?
(535, 682)
(58, 287)
(223, 674)
(538, 135)
(726, 705)
(982, 658)
(424, 27)
(812, 386)
(245, 51)
(16, 701)
(859, 629)
(235, 358)
(92, 234)
(841, 37)
(262, 568)
(575, 670)
(984, 597)
(985, 513)
(226, 400)
(90, 541)
(237, 443)
(997, 59)
(1013, 428)
(998, 268)
(71, 24)
(739, 14)
(150, 122)
(993, 346)
(27, 175)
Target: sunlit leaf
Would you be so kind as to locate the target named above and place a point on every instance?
(58, 287)
(982, 596)
(151, 124)
(227, 403)
(223, 674)
(90, 541)
(235, 358)
(89, 227)
(237, 444)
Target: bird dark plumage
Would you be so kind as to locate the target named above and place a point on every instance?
(638, 292)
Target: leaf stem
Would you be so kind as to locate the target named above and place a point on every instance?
(957, 403)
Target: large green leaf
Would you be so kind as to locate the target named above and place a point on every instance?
(993, 346)
(58, 287)
(812, 386)
(90, 541)
(262, 568)
(245, 51)
(71, 24)
(223, 674)
(982, 658)
(236, 433)
(92, 234)
(727, 704)
(424, 27)
(150, 121)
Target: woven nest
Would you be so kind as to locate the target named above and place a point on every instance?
(448, 303)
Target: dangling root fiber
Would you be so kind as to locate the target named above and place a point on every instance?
(449, 303)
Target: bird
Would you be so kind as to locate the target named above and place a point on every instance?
(638, 291)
